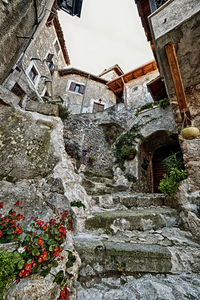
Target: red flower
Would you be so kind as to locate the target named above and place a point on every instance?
(66, 212)
(64, 294)
(21, 273)
(27, 267)
(52, 221)
(18, 203)
(1, 204)
(45, 227)
(1, 233)
(40, 223)
(13, 214)
(18, 231)
(40, 241)
(40, 259)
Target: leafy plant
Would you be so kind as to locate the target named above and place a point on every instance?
(130, 177)
(10, 263)
(162, 103)
(41, 248)
(63, 112)
(77, 204)
(169, 184)
(126, 144)
(175, 160)
(10, 229)
(128, 152)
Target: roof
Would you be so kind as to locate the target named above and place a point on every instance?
(115, 68)
(53, 19)
(117, 84)
(75, 71)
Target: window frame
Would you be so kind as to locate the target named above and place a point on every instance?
(77, 84)
(35, 82)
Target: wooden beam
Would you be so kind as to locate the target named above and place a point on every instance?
(178, 83)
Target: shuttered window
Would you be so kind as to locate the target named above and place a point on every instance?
(78, 88)
(98, 107)
(50, 63)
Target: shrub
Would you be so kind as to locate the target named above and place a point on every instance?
(169, 184)
(63, 112)
(163, 103)
(9, 267)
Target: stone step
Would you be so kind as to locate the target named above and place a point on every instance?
(100, 179)
(111, 221)
(129, 200)
(102, 256)
(101, 188)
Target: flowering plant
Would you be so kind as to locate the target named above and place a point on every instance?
(41, 248)
(10, 229)
(128, 152)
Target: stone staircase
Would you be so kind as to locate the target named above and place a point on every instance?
(133, 237)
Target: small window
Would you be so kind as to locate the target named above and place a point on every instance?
(77, 88)
(33, 73)
(50, 63)
(57, 47)
(98, 107)
(18, 91)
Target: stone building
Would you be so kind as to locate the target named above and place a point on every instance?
(35, 72)
(172, 27)
(135, 87)
(83, 92)
(19, 21)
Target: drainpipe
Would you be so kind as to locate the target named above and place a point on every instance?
(84, 95)
(124, 92)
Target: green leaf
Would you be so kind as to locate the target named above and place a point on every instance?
(69, 264)
(20, 264)
(35, 252)
(10, 231)
(59, 277)
(54, 263)
(29, 261)
(51, 247)
(45, 272)
(45, 237)
(36, 269)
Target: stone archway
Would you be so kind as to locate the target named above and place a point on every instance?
(152, 151)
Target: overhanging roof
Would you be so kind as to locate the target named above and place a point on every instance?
(115, 68)
(75, 71)
(117, 84)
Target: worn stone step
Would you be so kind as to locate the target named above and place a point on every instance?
(129, 200)
(101, 188)
(132, 219)
(103, 256)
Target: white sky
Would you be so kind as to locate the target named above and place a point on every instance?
(109, 32)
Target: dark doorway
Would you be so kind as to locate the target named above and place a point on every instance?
(158, 167)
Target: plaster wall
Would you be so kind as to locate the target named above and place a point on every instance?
(94, 92)
(35, 56)
(137, 91)
(172, 14)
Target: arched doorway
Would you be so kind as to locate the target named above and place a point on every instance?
(152, 151)
(158, 167)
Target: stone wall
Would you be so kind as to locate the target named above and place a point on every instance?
(35, 55)
(17, 18)
(95, 91)
(85, 137)
(36, 170)
(137, 91)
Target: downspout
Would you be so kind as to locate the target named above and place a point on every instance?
(84, 95)
(124, 92)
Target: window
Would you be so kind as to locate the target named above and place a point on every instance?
(50, 63)
(57, 47)
(33, 74)
(77, 88)
(17, 90)
(98, 107)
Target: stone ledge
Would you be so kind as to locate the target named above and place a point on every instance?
(43, 108)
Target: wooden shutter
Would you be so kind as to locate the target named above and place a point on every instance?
(82, 89)
(72, 86)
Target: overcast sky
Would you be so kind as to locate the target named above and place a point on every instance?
(109, 32)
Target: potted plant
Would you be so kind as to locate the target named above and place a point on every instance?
(190, 132)
(128, 152)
